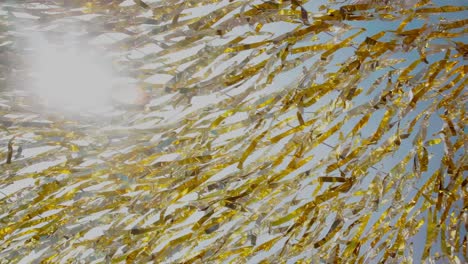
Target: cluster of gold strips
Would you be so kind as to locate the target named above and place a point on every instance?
(285, 132)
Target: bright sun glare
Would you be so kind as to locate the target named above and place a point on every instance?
(70, 79)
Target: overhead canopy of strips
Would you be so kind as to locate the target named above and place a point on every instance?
(271, 131)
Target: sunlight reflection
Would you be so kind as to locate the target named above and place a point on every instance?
(69, 79)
